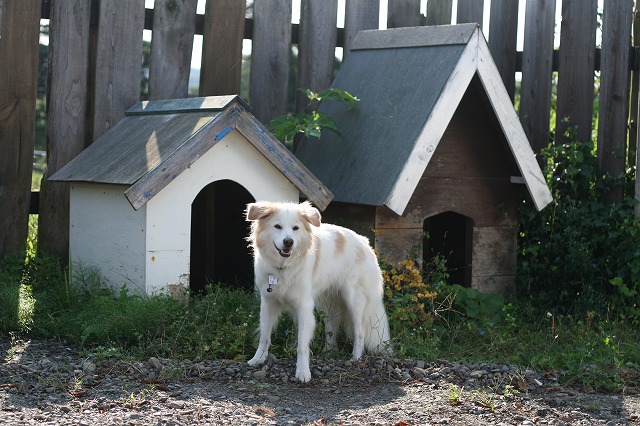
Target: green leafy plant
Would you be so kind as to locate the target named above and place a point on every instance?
(580, 253)
(308, 121)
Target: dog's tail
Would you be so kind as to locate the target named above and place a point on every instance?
(377, 339)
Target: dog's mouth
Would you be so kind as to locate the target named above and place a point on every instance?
(285, 252)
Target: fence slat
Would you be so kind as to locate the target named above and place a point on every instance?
(439, 12)
(316, 47)
(270, 58)
(537, 61)
(614, 84)
(575, 70)
(174, 24)
(503, 33)
(67, 100)
(404, 13)
(19, 34)
(359, 15)
(222, 47)
(470, 11)
(118, 61)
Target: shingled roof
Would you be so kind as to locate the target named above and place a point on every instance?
(157, 140)
(410, 82)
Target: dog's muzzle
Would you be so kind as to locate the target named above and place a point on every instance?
(284, 252)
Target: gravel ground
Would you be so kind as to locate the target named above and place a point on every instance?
(43, 382)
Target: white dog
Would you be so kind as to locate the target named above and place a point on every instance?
(300, 264)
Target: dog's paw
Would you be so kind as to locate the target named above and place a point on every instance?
(303, 376)
(256, 360)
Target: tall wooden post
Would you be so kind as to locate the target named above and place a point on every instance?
(67, 129)
(19, 36)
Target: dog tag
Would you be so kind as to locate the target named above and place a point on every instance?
(272, 281)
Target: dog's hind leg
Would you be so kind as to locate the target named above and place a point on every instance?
(355, 305)
(269, 314)
(306, 325)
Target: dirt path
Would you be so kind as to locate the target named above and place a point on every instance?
(49, 383)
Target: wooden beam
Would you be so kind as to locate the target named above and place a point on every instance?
(614, 91)
(575, 73)
(67, 113)
(171, 46)
(270, 58)
(118, 62)
(19, 35)
(222, 47)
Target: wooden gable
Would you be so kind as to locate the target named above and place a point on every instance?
(410, 82)
(157, 140)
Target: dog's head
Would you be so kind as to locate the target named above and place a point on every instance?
(281, 229)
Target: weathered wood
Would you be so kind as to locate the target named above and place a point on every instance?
(211, 103)
(118, 62)
(404, 13)
(270, 58)
(503, 35)
(414, 37)
(439, 12)
(222, 47)
(359, 15)
(575, 73)
(614, 84)
(470, 11)
(19, 34)
(67, 131)
(513, 130)
(632, 151)
(535, 98)
(316, 47)
(174, 24)
(295, 171)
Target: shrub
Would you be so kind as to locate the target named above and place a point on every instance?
(580, 253)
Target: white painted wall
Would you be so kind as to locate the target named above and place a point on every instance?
(169, 212)
(149, 250)
(107, 234)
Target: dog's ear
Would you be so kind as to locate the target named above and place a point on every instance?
(259, 210)
(310, 213)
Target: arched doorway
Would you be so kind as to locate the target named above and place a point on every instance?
(450, 235)
(219, 251)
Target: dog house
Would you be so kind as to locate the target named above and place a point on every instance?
(157, 202)
(434, 148)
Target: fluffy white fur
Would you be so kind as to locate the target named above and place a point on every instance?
(315, 265)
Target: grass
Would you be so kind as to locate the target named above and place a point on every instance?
(36, 301)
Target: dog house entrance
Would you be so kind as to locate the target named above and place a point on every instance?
(450, 235)
(219, 251)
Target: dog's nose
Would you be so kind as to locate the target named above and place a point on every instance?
(288, 242)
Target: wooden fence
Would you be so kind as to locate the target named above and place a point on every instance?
(95, 51)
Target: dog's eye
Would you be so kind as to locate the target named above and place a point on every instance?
(295, 228)
(277, 226)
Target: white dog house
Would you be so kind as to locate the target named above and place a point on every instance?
(157, 202)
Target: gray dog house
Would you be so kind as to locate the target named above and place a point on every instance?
(434, 146)
(157, 202)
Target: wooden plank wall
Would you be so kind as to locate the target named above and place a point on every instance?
(19, 33)
(174, 23)
(537, 67)
(575, 70)
(67, 127)
(614, 96)
(114, 67)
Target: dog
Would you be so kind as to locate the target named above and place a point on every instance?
(301, 264)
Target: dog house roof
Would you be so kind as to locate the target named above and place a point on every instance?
(410, 82)
(157, 140)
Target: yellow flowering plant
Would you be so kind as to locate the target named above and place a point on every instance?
(409, 298)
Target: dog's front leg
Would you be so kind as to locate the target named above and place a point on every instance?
(306, 326)
(268, 317)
